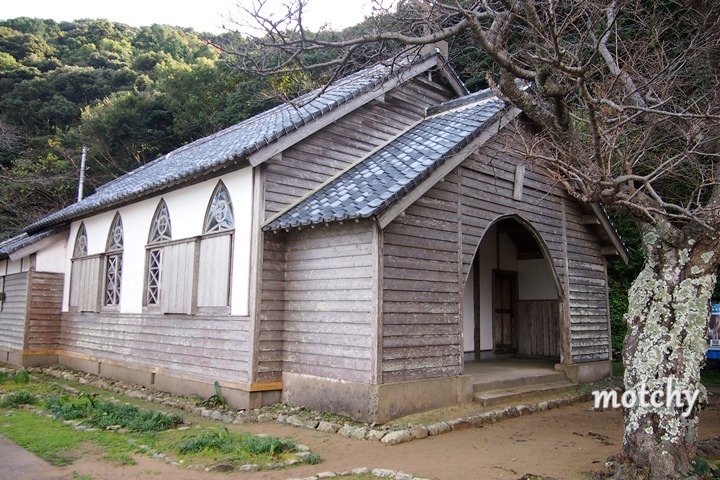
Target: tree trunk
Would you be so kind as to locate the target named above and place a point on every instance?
(665, 346)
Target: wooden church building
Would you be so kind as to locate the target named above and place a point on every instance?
(350, 252)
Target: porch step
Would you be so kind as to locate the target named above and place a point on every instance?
(503, 395)
(519, 379)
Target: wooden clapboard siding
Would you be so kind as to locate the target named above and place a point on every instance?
(487, 183)
(14, 312)
(214, 347)
(304, 166)
(272, 310)
(428, 252)
(44, 307)
(327, 300)
(421, 333)
(538, 322)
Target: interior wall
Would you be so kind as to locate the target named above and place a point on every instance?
(535, 281)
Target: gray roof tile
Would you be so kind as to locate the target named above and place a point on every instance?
(386, 175)
(12, 245)
(222, 147)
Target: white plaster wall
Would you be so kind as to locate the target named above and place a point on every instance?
(16, 266)
(469, 313)
(187, 207)
(52, 257)
(535, 282)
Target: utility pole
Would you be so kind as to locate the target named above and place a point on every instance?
(81, 181)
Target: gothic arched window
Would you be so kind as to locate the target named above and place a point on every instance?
(81, 242)
(219, 214)
(160, 232)
(113, 262)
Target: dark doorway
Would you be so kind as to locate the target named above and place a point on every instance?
(504, 311)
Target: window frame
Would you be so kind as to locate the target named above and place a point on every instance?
(78, 264)
(114, 249)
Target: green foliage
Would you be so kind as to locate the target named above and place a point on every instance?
(21, 376)
(705, 469)
(236, 445)
(213, 441)
(313, 459)
(16, 399)
(131, 94)
(216, 399)
(102, 414)
(266, 445)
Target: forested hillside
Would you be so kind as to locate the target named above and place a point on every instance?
(129, 94)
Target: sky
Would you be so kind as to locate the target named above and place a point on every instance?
(203, 15)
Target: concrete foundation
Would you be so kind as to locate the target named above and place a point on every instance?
(182, 385)
(586, 372)
(374, 403)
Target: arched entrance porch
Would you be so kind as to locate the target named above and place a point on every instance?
(511, 309)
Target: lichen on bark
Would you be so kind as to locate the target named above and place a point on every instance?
(666, 342)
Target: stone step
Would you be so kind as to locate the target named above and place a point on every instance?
(505, 395)
(528, 378)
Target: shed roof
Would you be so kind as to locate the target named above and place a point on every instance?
(12, 245)
(384, 176)
(222, 148)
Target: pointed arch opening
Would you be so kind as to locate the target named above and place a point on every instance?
(215, 259)
(219, 216)
(512, 295)
(81, 242)
(113, 262)
(160, 233)
(85, 275)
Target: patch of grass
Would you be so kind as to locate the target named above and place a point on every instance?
(77, 476)
(58, 444)
(212, 441)
(102, 414)
(236, 447)
(266, 445)
(313, 459)
(21, 377)
(15, 399)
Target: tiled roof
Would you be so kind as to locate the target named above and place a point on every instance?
(386, 175)
(12, 245)
(219, 149)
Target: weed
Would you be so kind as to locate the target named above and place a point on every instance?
(215, 400)
(77, 476)
(22, 376)
(313, 459)
(220, 441)
(103, 414)
(4, 376)
(266, 445)
(16, 399)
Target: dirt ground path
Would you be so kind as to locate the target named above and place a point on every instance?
(564, 443)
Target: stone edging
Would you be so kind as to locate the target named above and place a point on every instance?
(415, 432)
(387, 435)
(376, 472)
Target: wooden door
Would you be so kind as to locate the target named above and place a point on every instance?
(504, 302)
